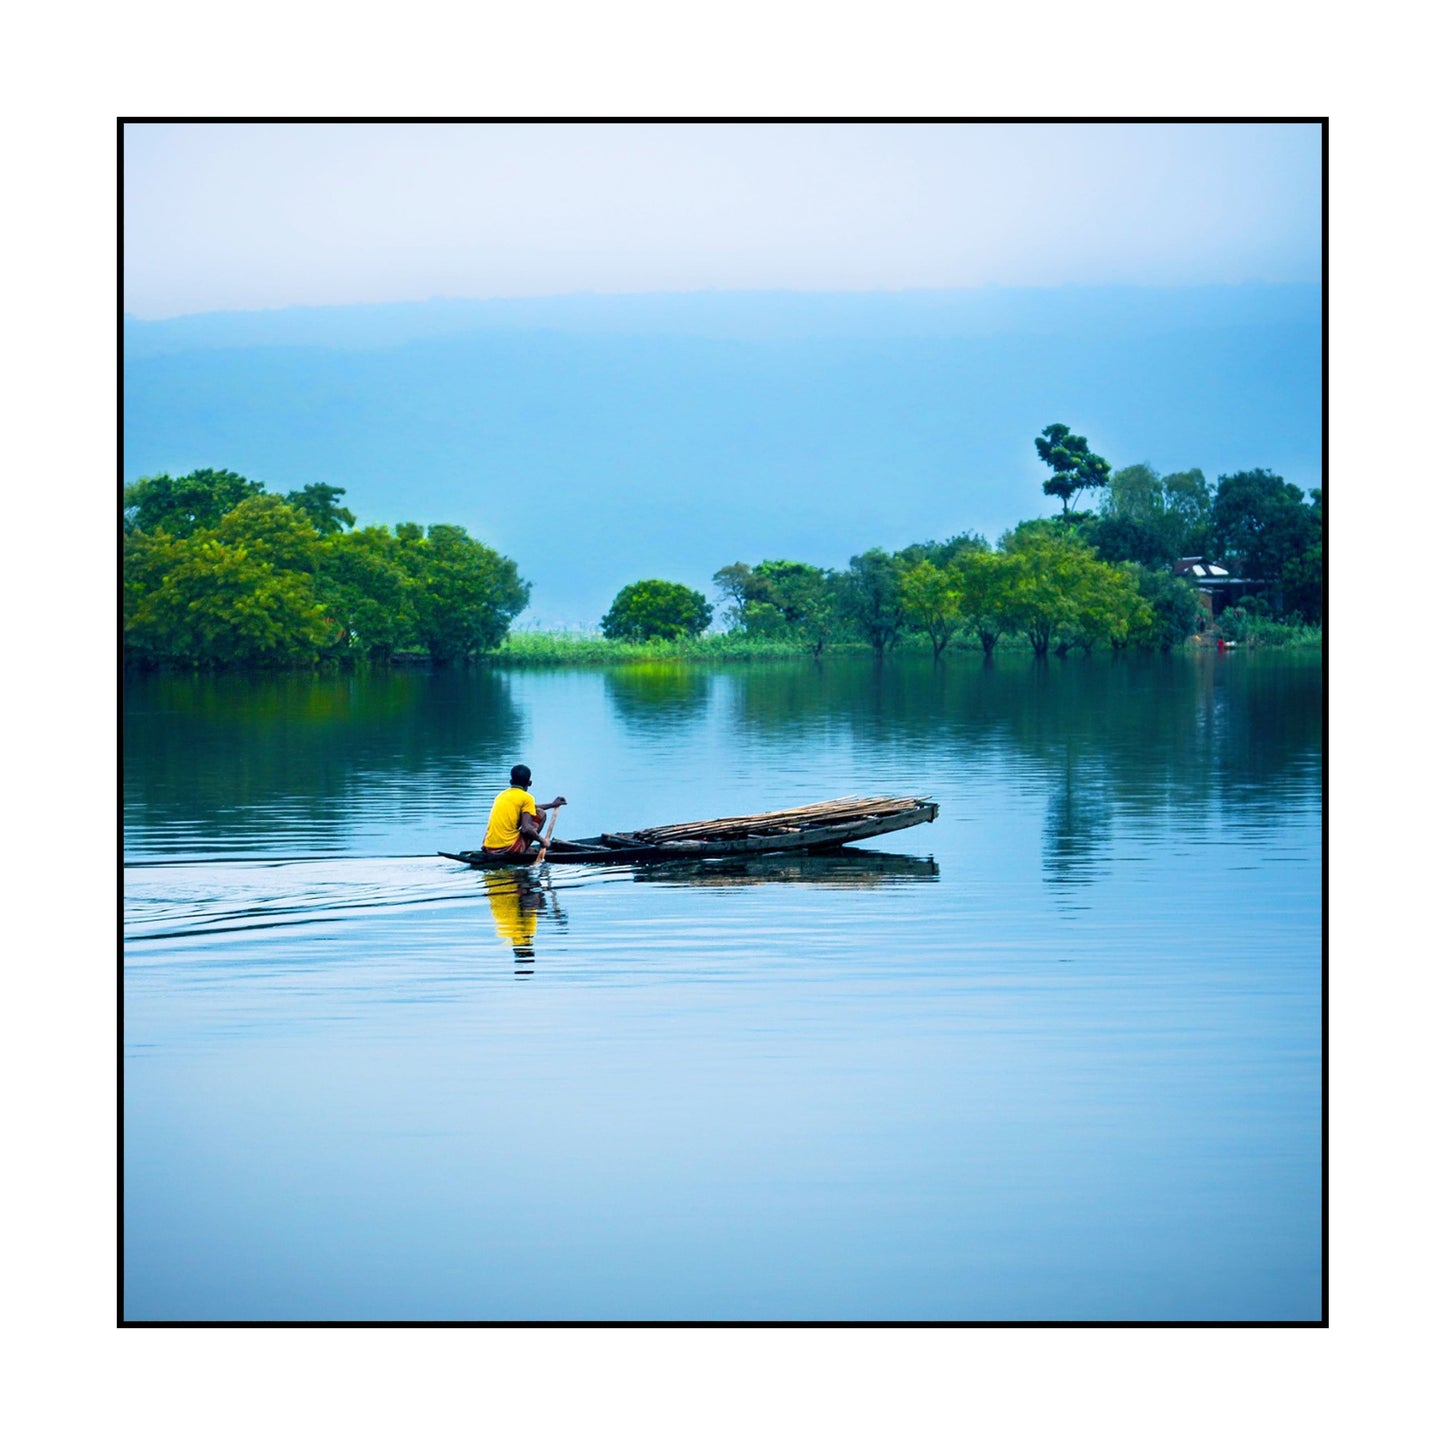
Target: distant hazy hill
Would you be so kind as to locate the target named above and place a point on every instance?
(602, 439)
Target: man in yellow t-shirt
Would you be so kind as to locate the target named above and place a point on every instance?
(516, 819)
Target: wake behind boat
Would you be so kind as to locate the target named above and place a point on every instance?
(816, 826)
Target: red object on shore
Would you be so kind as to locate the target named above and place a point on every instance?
(1219, 644)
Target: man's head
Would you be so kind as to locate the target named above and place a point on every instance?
(521, 776)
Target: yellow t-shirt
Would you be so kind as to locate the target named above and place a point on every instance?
(502, 829)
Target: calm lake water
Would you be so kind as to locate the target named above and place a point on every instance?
(1056, 1056)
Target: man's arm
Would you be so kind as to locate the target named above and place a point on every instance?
(530, 825)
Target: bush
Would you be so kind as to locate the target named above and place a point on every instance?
(654, 608)
(1176, 604)
(1248, 628)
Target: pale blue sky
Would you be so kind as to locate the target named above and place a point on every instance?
(221, 217)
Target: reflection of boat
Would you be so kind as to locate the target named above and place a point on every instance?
(843, 868)
(787, 830)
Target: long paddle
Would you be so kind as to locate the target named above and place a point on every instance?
(547, 836)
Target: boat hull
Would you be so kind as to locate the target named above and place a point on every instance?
(601, 850)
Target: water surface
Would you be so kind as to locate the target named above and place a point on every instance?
(1055, 1056)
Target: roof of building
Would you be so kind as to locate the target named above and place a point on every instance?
(1202, 570)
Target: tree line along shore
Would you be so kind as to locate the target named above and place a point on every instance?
(218, 572)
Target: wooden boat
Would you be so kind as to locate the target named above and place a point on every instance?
(809, 829)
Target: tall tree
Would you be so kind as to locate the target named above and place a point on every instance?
(272, 529)
(1123, 539)
(184, 505)
(871, 597)
(942, 554)
(465, 594)
(1135, 493)
(223, 604)
(1074, 466)
(983, 597)
(146, 558)
(933, 602)
(1040, 577)
(1174, 604)
(1262, 522)
(318, 502)
(735, 583)
(1187, 502)
(1304, 575)
(1109, 607)
(366, 588)
(1151, 519)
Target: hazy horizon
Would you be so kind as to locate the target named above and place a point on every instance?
(697, 292)
(226, 216)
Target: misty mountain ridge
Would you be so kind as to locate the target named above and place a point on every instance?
(601, 439)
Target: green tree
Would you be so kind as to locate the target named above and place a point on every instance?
(1074, 466)
(218, 604)
(271, 530)
(735, 583)
(1057, 592)
(146, 557)
(870, 595)
(933, 602)
(1041, 591)
(184, 505)
(1136, 493)
(1152, 519)
(218, 572)
(654, 608)
(942, 554)
(366, 588)
(1187, 504)
(809, 597)
(1151, 542)
(236, 593)
(983, 596)
(1175, 606)
(1109, 607)
(794, 600)
(1260, 521)
(318, 502)
(1304, 575)
(464, 593)
(764, 620)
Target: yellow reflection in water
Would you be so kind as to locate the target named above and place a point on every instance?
(515, 901)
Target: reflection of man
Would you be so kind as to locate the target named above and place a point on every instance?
(514, 911)
(516, 818)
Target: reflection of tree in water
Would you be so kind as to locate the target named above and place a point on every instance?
(1077, 823)
(211, 751)
(653, 695)
(1154, 733)
(517, 900)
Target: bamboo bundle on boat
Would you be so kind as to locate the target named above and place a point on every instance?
(781, 820)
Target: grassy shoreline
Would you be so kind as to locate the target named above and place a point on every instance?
(581, 649)
(574, 648)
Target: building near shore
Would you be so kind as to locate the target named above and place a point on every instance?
(1220, 587)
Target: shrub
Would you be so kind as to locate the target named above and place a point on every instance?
(654, 608)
